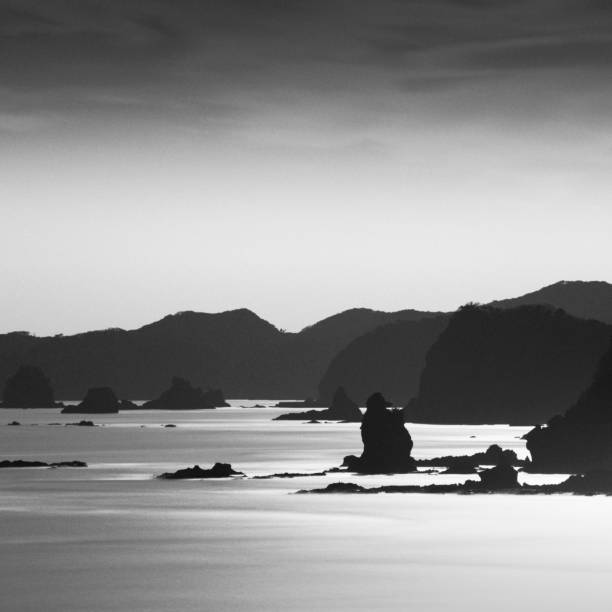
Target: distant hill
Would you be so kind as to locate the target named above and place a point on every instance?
(235, 351)
(521, 365)
(389, 358)
(586, 299)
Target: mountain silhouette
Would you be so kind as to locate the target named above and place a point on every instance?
(519, 365)
(585, 299)
(391, 357)
(236, 351)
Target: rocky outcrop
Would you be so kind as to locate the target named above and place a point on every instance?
(342, 408)
(581, 439)
(219, 470)
(183, 396)
(499, 478)
(28, 388)
(18, 463)
(517, 366)
(386, 441)
(467, 464)
(98, 400)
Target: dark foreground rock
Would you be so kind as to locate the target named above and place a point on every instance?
(99, 400)
(183, 396)
(467, 464)
(580, 440)
(23, 463)
(81, 424)
(28, 388)
(307, 403)
(386, 441)
(596, 482)
(219, 470)
(342, 408)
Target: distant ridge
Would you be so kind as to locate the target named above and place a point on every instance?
(585, 299)
(247, 356)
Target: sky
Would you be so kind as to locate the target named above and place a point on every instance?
(297, 157)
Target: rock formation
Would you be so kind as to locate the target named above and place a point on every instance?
(28, 388)
(98, 400)
(183, 396)
(219, 470)
(18, 463)
(386, 442)
(467, 464)
(581, 439)
(342, 408)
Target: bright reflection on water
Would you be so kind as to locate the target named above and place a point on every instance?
(111, 538)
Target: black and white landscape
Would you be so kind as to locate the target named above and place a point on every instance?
(306, 305)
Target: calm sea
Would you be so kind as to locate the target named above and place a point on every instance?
(112, 538)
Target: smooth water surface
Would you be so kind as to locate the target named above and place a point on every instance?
(111, 537)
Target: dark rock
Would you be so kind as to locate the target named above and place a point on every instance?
(127, 405)
(170, 425)
(23, 463)
(386, 442)
(290, 475)
(98, 400)
(314, 422)
(581, 439)
(339, 487)
(591, 483)
(219, 470)
(81, 424)
(467, 464)
(14, 423)
(342, 408)
(307, 403)
(500, 477)
(183, 396)
(28, 388)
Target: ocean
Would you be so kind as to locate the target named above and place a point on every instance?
(111, 537)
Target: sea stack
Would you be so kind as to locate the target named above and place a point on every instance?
(386, 441)
(581, 439)
(98, 400)
(183, 396)
(28, 388)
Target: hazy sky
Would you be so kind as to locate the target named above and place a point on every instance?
(298, 157)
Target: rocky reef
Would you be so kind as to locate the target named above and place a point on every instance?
(581, 439)
(219, 470)
(18, 463)
(183, 396)
(342, 408)
(28, 388)
(99, 400)
(467, 464)
(386, 441)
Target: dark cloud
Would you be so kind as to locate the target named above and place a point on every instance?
(168, 58)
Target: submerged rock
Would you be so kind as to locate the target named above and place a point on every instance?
(14, 424)
(581, 439)
(28, 388)
(81, 424)
(386, 441)
(183, 396)
(219, 470)
(342, 408)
